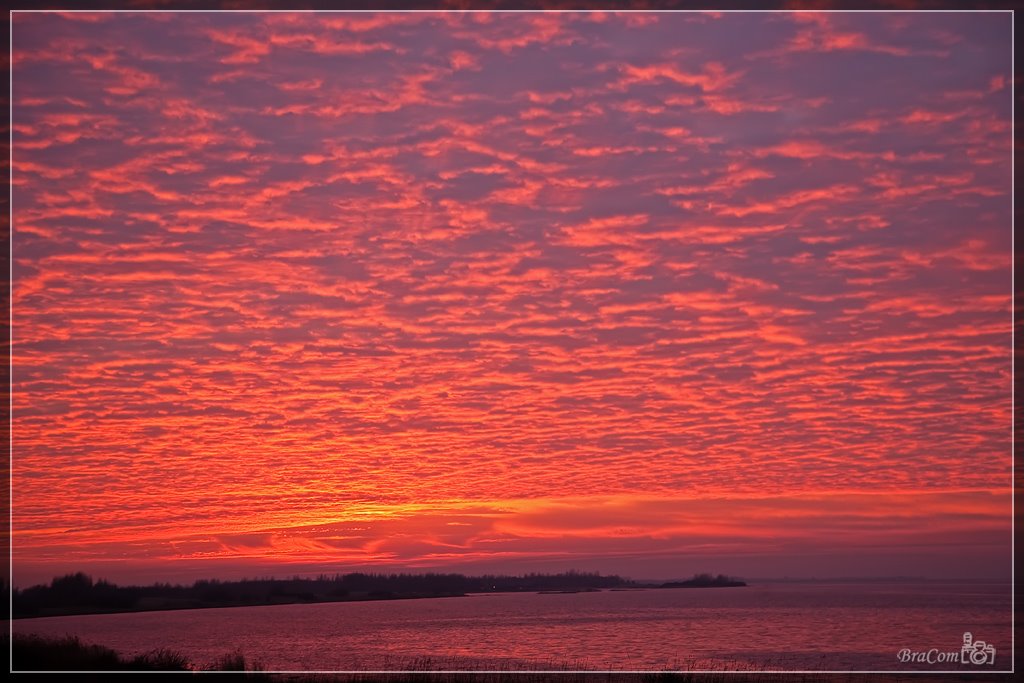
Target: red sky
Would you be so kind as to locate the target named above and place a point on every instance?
(646, 293)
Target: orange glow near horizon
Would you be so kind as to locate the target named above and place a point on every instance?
(638, 293)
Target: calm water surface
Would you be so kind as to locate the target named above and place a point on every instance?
(768, 626)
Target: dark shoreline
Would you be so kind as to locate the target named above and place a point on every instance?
(78, 595)
(229, 605)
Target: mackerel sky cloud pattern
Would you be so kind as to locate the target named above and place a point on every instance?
(610, 291)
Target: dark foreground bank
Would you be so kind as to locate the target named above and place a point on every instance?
(32, 654)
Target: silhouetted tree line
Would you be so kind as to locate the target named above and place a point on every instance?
(78, 593)
(705, 581)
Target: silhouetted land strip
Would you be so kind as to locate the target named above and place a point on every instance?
(705, 581)
(79, 594)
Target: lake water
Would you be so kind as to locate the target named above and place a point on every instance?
(781, 626)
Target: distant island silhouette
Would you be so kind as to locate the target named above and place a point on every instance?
(78, 593)
(705, 581)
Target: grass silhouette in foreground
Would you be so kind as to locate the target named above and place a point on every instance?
(31, 652)
(79, 594)
(36, 653)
